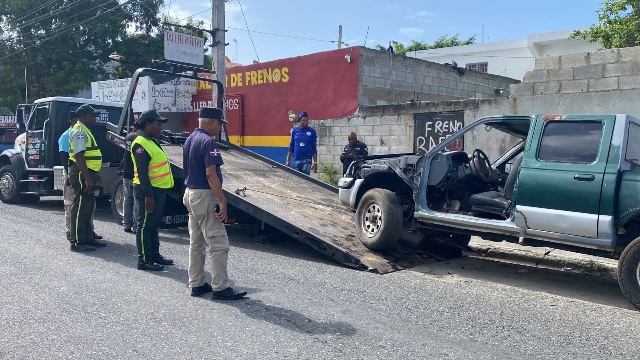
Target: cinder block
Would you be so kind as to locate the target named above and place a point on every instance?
(547, 63)
(362, 130)
(545, 88)
(604, 56)
(603, 84)
(619, 69)
(574, 60)
(390, 120)
(629, 82)
(340, 122)
(535, 76)
(574, 86)
(560, 74)
(372, 120)
(369, 81)
(521, 89)
(355, 121)
(588, 72)
(382, 130)
(374, 71)
(630, 54)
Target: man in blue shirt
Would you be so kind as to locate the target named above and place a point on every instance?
(302, 146)
(207, 206)
(67, 192)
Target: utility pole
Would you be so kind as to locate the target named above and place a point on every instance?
(217, 48)
(340, 37)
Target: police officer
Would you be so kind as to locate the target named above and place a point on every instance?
(67, 191)
(151, 179)
(85, 160)
(207, 206)
(353, 149)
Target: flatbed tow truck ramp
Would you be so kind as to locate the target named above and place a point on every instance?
(301, 207)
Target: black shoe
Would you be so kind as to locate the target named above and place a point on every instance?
(97, 237)
(129, 230)
(69, 236)
(82, 248)
(201, 290)
(228, 294)
(96, 243)
(150, 266)
(163, 260)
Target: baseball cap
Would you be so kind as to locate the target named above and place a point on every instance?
(212, 113)
(148, 116)
(86, 109)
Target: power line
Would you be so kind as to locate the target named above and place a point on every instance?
(35, 10)
(67, 29)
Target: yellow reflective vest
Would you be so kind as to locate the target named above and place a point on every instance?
(159, 167)
(92, 153)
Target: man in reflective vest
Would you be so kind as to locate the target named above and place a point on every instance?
(151, 179)
(85, 161)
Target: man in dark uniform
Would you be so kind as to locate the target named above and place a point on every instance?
(353, 149)
(85, 161)
(207, 207)
(151, 179)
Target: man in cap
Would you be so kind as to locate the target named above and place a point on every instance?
(85, 161)
(353, 149)
(207, 208)
(303, 155)
(151, 179)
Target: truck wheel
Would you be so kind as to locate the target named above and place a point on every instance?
(379, 219)
(629, 272)
(9, 192)
(117, 200)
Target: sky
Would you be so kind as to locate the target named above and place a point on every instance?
(268, 30)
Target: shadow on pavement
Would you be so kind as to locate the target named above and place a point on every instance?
(604, 291)
(289, 319)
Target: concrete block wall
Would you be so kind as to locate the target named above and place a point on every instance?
(605, 70)
(386, 78)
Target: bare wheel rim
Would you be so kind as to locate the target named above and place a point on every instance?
(7, 184)
(119, 200)
(372, 220)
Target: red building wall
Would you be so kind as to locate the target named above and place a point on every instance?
(325, 85)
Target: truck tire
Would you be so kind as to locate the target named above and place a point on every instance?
(9, 189)
(629, 272)
(379, 219)
(117, 200)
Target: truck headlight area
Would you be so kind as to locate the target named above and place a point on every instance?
(345, 182)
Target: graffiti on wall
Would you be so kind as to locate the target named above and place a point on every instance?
(433, 128)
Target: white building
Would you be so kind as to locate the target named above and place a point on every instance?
(508, 58)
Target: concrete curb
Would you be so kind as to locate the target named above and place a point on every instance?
(545, 257)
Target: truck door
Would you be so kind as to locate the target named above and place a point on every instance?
(36, 140)
(561, 177)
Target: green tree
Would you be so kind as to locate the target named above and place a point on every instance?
(618, 25)
(442, 42)
(64, 44)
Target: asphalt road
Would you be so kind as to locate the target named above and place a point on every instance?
(56, 304)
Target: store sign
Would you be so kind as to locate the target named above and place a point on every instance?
(7, 121)
(184, 48)
(433, 128)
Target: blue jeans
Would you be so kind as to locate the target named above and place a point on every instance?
(302, 165)
(127, 191)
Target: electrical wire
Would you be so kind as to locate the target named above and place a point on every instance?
(67, 29)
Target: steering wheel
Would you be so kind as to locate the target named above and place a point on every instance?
(481, 166)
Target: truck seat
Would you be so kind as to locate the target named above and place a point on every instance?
(495, 202)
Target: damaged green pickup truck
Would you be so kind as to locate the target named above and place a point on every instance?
(564, 181)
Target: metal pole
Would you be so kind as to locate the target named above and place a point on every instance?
(340, 37)
(217, 51)
(26, 88)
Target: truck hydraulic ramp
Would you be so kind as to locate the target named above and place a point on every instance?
(301, 207)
